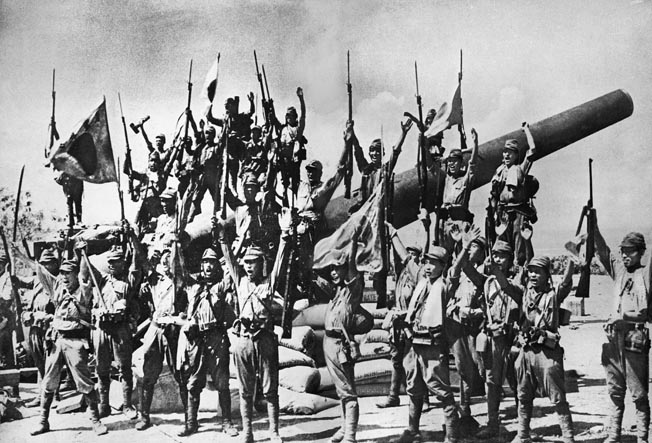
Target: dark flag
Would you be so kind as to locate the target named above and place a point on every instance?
(88, 155)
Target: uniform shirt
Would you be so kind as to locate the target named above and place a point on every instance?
(466, 295)
(252, 225)
(456, 188)
(312, 200)
(151, 183)
(345, 301)
(6, 287)
(255, 159)
(498, 303)
(160, 292)
(426, 309)
(205, 299)
(512, 181)
(115, 289)
(632, 295)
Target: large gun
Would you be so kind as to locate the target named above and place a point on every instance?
(349, 148)
(588, 212)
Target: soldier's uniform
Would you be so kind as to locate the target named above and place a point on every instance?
(540, 363)
(625, 356)
(160, 341)
(344, 319)
(513, 206)
(205, 349)
(463, 319)
(70, 331)
(256, 350)
(402, 292)
(426, 358)
(112, 334)
(151, 184)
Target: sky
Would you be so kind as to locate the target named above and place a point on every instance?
(523, 61)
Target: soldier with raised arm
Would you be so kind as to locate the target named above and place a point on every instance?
(260, 307)
(70, 331)
(626, 354)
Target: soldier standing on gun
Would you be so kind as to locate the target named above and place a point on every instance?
(402, 293)
(540, 362)
(207, 346)
(510, 198)
(166, 223)
(41, 309)
(255, 159)
(371, 171)
(426, 354)
(113, 315)
(151, 184)
(454, 214)
(161, 338)
(70, 332)
(626, 354)
(464, 315)
(210, 161)
(495, 340)
(260, 305)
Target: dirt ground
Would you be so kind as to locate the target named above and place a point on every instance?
(581, 340)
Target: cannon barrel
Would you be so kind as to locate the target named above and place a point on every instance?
(550, 135)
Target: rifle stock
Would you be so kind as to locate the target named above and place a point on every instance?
(128, 166)
(349, 148)
(588, 212)
(20, 336)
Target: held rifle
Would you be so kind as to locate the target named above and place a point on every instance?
(460, 126)
(262, 89)
(288, 289)
(588, 212)
(127, 167)
(54, 134)
(349, 148)
(20, 337)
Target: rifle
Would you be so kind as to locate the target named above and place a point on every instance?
(120, 196)
(54, 134)
(262, 89)
(349, 148)
(20, 337)
(286, 319)
(588, 212)
(490, 227)
(225, 159)
(422, 167)
(128, 168)
(270, 106)
(460, 126)
(185, 131)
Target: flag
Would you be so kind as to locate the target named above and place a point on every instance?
(210, 84)
(447, 116)
(88, 155)
(369, 222)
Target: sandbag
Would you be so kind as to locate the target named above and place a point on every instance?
(372, 369)
(289, 357)
(312, 316)
(373, 351)
(301, 403)
(300, 379)
(303, 340)
(374, 336)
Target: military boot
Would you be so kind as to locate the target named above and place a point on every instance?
(246, 410)
(186, 414)
(224, 399)
(44, 425)
(94, 414)
(412, 434)
(493, 411)
(146, 394)
(127, 408)
(273, 413)
(524, 417)
(339, 434)
(565, 422)
(392, 399)
(351, 421)
(642, 420)
(452, 424)
(614, 428)
(191, 415)
(103, 406)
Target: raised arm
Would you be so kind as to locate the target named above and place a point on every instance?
(218, 230)
(473, 161)
(302, 116)
(403, 254)
(527, 162)
(285, 223)
(252, 103)
(325, 193)
(566, 283)
(214, 120)
(405, 128)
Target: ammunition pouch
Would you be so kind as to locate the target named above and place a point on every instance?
(539, 337)
(456, 213)
(496, 330)
(638, 339)
(109, 319)
(247, 328)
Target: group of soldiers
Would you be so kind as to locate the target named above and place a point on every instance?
(487, 299)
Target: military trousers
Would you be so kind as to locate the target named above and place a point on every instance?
(426, 370)
(540, 369)
(257, 358)
(523, 250)
(340, 368)
(207, 354)
(625, 370)
(161, 344)
(37, 348)
(113, 343)
(468, 363)
(74, 353)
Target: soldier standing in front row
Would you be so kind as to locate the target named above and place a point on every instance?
(208, 317)
(345, 318)
(165, 300)
(426, 358)
(260, 307)
(71, 330)
(626, 354)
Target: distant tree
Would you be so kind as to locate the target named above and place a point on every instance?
(33, 224)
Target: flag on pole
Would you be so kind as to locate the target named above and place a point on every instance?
(447, 115)
(369, 222)
(210, 84)
(88, 155)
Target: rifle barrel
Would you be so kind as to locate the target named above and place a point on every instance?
(591, 182)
